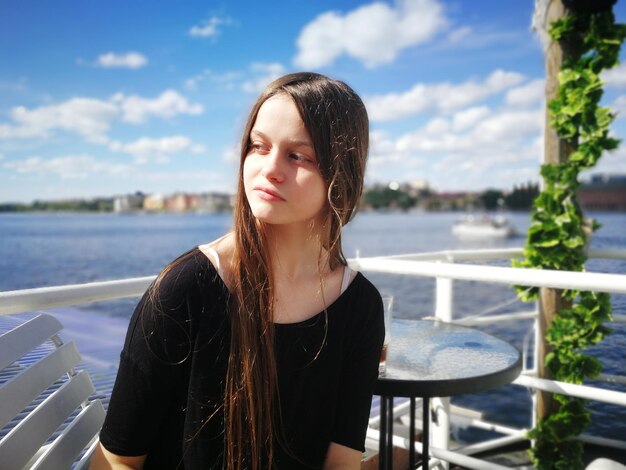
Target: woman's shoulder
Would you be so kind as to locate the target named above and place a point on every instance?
(220, 254)
(191, 272)
(182, 271)
(361, 303)
(360, 318)
(370, 303)
(363, 290)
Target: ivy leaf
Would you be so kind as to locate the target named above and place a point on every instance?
(574, 242)
(577, 156)
(568, 75)
(604, 117)
(548, 243)
(610, 143)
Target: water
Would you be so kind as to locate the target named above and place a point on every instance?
(55, 249)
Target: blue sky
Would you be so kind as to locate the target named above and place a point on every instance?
(105, 98)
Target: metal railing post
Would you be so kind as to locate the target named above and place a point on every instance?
(441, 406)
(443, 299)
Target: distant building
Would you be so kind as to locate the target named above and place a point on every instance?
(214, 202)
(154, 202)
(128, 202)
(604, 193)
(177, 202)
(192, 201)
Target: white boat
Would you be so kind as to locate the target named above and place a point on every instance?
(483, 226)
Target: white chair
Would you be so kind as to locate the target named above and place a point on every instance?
(46, 418)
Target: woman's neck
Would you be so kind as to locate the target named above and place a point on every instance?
(296, 253)
(304, 285)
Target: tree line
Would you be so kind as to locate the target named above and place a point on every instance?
(405, 198)
(70, 205)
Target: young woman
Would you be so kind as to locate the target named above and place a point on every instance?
(261, 349)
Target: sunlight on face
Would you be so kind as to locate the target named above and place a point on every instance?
(282, 180)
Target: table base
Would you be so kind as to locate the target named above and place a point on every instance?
(385, 443)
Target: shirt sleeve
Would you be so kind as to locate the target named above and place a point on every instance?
(152, 365)
(360, 369)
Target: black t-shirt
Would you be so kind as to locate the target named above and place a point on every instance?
(167, 398)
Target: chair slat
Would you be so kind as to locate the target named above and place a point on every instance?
(25, 337)
(25, 387)
(18, 447)
(68, 446)
(85, 460)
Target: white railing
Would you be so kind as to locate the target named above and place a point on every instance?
(612, 283)
(440, 265)
(28, 300)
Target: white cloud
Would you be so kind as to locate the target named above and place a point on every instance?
(384, 150)
(183, 176)
(387, 162)
(466, 38)
(320, 42)
(508, 125)
(265, 73)
(530, 94)
(129, 60)
(168, 104)
(459, 35)
(209, 28)
(440, 97)
(89, 117)
(92, 118)
(616, 76)
(257, 77)
(225, 81)
(462, 150)
(231, 154)
(468, 118)
(373, 34)
(147, 149)
(66, 167)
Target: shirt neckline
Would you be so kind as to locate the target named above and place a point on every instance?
(311, 319)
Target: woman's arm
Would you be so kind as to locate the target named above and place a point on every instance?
(104, 460)
(364, 339)
(150, 370)
(342, 458)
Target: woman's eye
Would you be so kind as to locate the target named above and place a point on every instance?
(299, 158)
(258, 147)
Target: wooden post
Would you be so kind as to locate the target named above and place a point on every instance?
(556, 151)
(551, 301)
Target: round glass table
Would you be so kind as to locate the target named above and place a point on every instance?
(429, 358)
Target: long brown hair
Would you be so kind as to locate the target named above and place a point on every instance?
(337, 122)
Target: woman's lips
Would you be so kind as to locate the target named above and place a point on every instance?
(268, 194)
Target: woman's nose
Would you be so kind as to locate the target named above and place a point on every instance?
(273, 167)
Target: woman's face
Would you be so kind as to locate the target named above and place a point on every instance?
(282, 180)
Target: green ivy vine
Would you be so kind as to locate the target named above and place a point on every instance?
(558, 234)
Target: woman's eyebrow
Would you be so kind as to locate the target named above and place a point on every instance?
(296, 142)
